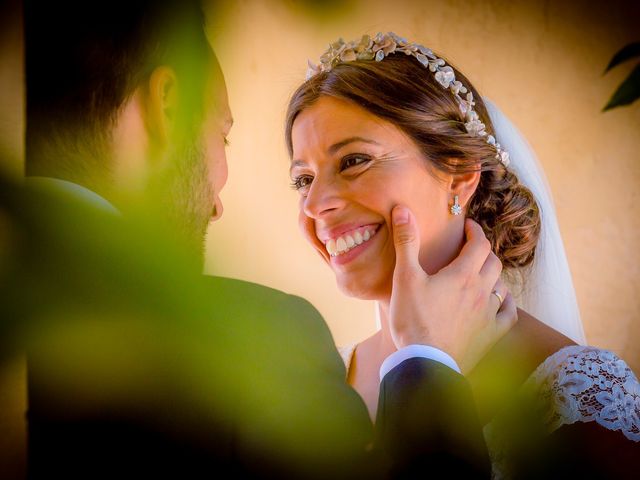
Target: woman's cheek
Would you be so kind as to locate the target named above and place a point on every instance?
(307, 227)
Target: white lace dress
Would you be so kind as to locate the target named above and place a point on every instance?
(575, 384)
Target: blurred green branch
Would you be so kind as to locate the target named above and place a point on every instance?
(629, 90)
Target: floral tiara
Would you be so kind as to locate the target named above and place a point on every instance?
(384, 44)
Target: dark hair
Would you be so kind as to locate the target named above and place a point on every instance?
(400, 90)
(85, 59)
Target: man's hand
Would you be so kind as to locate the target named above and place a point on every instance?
(455, 309)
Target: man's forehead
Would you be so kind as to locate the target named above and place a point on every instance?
(223, 107)
(218, 94)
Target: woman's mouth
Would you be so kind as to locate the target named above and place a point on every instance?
(349, 240)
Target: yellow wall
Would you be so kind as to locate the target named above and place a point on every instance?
(541, 62)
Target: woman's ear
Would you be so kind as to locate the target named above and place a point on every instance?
(464, 186)
(161, 105)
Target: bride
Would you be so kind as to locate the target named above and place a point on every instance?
(382, 122)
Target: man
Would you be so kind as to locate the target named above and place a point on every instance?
(127, 109)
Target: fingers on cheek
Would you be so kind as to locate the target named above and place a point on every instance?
(486, 246)
(499, 266)
(495, 264)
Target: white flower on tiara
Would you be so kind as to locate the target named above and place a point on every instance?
(475, 128)
(384, 44)
(504, 157)
(455, 86)
(466, 105)
(445, 76)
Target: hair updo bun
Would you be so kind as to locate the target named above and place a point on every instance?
(509, 216)
(400, 90)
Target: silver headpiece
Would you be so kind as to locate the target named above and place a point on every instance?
(384, 44)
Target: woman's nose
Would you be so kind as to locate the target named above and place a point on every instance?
(324, 197)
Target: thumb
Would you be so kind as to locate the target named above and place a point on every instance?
(406, 240)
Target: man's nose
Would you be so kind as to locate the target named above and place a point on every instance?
(323, 198)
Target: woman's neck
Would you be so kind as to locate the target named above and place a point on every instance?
(364, 371)
(386, 346)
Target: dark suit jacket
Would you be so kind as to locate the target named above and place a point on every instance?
(426, 420)
(140, 367)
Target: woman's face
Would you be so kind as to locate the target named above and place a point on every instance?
(351, 168)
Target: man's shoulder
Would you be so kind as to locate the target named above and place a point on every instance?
(236, 286)
(240, 295)
(292, 323)
(230, 289)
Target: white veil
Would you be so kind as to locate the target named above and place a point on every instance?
(547, 292)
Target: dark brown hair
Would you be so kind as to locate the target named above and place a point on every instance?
(400, 90)
(83, 62)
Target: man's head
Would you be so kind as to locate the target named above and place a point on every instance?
(124, 97)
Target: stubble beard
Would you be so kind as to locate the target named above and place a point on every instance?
(191, 199)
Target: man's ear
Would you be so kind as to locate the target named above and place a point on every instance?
(161, 105)
(464, 185)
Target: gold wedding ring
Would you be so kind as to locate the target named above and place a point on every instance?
(500, 299)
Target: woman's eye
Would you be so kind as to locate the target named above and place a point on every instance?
(301, 182)
(353, 161)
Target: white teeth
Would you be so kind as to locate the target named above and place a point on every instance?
(343, 244)
(331, 247)
(350, 241)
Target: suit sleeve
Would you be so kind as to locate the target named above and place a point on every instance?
(427, 422)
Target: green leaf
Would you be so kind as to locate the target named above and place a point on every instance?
(627, 92)
(627, 52)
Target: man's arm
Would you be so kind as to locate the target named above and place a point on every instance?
(427, 422)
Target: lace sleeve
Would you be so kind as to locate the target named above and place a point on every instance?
(585, 384)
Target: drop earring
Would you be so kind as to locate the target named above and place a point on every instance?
(456, 209)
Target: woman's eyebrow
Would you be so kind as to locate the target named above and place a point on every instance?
(343, 143)
(296, 163)
(334, 148)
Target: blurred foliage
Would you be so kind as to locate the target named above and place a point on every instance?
(115, 311)
(629, 90)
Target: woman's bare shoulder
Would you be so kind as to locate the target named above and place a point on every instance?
(503, 370)
(526, 345)
(540, 338)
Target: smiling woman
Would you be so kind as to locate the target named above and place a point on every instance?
(356, 167)
(385, 122)
(410, 147)
(554, 94)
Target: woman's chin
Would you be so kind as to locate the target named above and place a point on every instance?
(364, 289)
